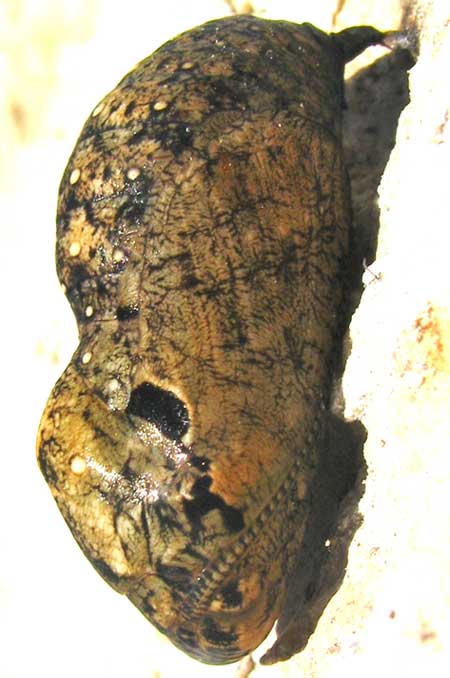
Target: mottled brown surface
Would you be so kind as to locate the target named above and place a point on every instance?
(203, 230)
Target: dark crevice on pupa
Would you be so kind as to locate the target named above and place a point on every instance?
(203, 501)
(161, 408)
(127, 312)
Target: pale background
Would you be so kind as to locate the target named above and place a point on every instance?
(57, 618)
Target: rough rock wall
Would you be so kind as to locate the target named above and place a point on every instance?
(397, 383)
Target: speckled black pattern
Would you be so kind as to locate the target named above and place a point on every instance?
(203, 225)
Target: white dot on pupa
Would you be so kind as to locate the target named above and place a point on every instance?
(75, 175)
(133, 173)
(118, 255)
(97, 110)
(78, 465)
(86, 357)
(74, 249)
